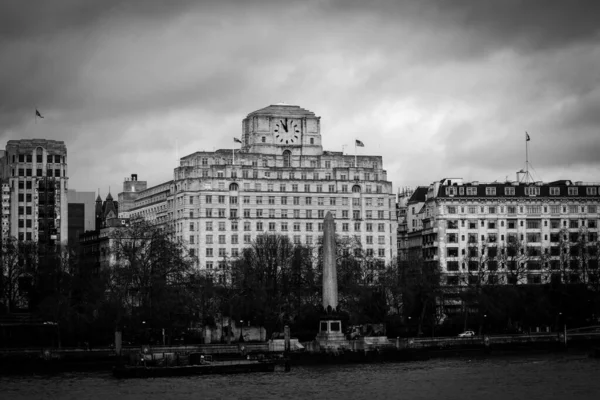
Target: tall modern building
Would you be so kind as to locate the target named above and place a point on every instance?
(81, 214)
(503, 233)
(279, 180)
(34, 191)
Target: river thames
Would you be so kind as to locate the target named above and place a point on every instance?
(540, 376)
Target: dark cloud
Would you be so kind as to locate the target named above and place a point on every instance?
(454, 83)
(22, 19)
(531, 25)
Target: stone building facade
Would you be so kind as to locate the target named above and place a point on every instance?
(280, 180)
(34, 191)
(512, 232)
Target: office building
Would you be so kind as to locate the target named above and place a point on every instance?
(279, 180)
(505, 233)
(34, 191)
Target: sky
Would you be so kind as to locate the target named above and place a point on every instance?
(438, 88)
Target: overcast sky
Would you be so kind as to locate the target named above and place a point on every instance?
(438, 88)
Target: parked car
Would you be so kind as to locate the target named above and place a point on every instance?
(466, 334)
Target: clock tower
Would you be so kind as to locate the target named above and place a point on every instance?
(280, 127)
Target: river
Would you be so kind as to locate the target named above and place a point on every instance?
(531, 377)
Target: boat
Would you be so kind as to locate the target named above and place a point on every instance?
(198, 365)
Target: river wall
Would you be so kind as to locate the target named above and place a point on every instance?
(399, 349)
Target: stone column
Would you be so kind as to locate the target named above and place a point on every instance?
(330, 290)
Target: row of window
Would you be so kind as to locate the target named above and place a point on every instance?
(234, 239)
(281, 226)
(529, 224)
(318, 188)
(453, 280)
(222, 252)
(533, 209)
(280, 175)
(510, 191)
(272, 213)
(532, 237)
(283, 200)
(533, 251)
(23, 172)
(204, 161)
(531, 265)
(50, 158)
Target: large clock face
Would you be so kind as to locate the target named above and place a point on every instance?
(287, 131)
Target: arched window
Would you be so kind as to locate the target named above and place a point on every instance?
(287, 158)
(233, 186)
(356, 189)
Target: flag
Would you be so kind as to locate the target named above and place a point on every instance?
(527, 138)
(37, 114)
(236, 140)
(359, 143)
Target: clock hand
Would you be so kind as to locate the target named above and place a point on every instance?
(284, 125)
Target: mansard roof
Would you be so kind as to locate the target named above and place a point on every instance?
(560, 189)
(419, 195)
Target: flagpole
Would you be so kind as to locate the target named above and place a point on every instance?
(233, 152)
(355, 156)
(526, 158)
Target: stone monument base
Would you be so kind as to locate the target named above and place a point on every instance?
(330, 336)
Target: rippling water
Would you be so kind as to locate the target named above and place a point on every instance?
(553, 376)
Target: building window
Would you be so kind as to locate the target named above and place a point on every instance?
(554, 191)
(450, 191)
(573, 191)
(532, 191)
(287, 156)
(509, 191)
(490, 191)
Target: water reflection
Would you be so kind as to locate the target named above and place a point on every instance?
(547, 377)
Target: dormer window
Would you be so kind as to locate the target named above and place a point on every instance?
(490, 191)
(532, 191)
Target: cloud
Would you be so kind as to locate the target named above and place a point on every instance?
(436, 87)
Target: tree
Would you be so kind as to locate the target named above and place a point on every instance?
(18, 261)
(422, 291)
(272, 279)
(150, 277)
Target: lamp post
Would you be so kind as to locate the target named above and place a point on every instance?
(241, 330)
(484, 322)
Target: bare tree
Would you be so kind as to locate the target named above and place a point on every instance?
(18, 262)
(150, 272)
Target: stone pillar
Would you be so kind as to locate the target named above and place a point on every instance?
(330, 290)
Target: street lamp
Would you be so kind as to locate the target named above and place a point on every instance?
(241, 330)
(484, 321)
